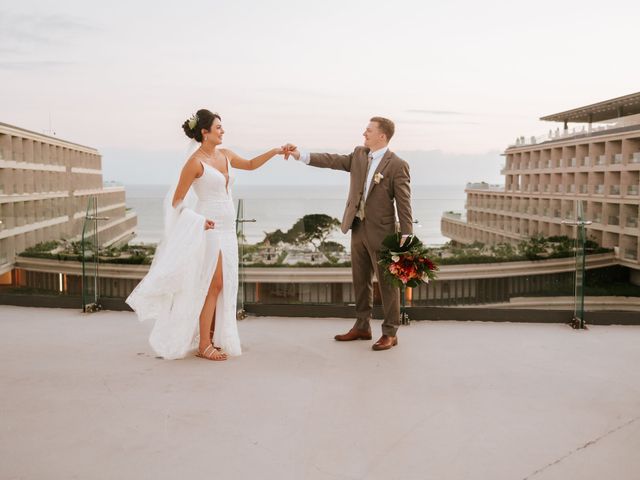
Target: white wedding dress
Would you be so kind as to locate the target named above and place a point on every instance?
(173, 292)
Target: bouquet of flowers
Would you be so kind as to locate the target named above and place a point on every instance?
(406, 265)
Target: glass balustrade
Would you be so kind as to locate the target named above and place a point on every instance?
(293, 254)
(89, 251)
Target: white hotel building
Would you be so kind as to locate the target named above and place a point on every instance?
(597, 163)
(45, 186)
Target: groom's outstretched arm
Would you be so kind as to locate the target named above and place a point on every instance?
(331, 160)
(321, 160)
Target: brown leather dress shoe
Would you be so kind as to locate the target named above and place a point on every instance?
(385, 343)
(354, 334)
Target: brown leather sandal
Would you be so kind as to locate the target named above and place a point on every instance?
(212, 353)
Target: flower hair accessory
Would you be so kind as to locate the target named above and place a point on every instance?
(193, 121)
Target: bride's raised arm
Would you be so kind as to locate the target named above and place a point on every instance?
(243, 164)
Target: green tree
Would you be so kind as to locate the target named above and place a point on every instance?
(276, 237)
(313, 229)
(534, 247)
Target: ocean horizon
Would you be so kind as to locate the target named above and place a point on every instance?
(279, 206)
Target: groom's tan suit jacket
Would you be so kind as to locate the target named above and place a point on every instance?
(394, 184)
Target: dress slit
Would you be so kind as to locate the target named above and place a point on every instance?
(220, 299)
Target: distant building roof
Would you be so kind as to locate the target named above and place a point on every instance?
(42, 135)
(601, 111)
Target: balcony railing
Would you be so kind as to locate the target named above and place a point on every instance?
(614, 220)
(572, 188)
(597, 218)
(635, 157)
(630, 254)
(632, 189)
(584, 189)
(599, 189)
(595, 128)
(602, 160)
(632, 222)
(617, 159)
(546, 188)
(614, 190)
(586, 161)
(572, 162)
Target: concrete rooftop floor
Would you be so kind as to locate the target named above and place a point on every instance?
(82, 396)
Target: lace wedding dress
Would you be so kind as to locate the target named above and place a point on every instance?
(173, 292)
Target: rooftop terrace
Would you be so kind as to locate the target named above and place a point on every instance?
(84, 397)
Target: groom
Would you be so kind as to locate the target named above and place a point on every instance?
(379, 179)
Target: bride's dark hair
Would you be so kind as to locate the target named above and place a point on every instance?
(202, 119)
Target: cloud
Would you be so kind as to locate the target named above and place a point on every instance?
(434, 112)
(37, 30)
(299, 92)
(434, 122)
(33, 65)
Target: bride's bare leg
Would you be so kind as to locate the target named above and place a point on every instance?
(207, 315)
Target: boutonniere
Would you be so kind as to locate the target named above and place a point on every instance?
(377, 178)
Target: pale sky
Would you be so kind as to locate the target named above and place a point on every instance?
(461, 79)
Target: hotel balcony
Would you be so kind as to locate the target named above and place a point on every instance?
(601, 160)
(632, 222)
(454, 216)
(605, 127)
(586, 162)
(632, 189)
(630, 254)
(599, 189)
(614, 190)
(617, 159)
(635, 157)
(584, 189)
(614, 220)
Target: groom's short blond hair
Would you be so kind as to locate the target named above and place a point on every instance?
(386, 125)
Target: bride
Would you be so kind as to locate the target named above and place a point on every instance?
(192, 284)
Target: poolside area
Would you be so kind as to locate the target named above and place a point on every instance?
(82, 396)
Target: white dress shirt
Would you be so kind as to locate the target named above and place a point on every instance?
(375, 161)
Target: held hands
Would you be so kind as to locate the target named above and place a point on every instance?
(209, 224)
(290, 149)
